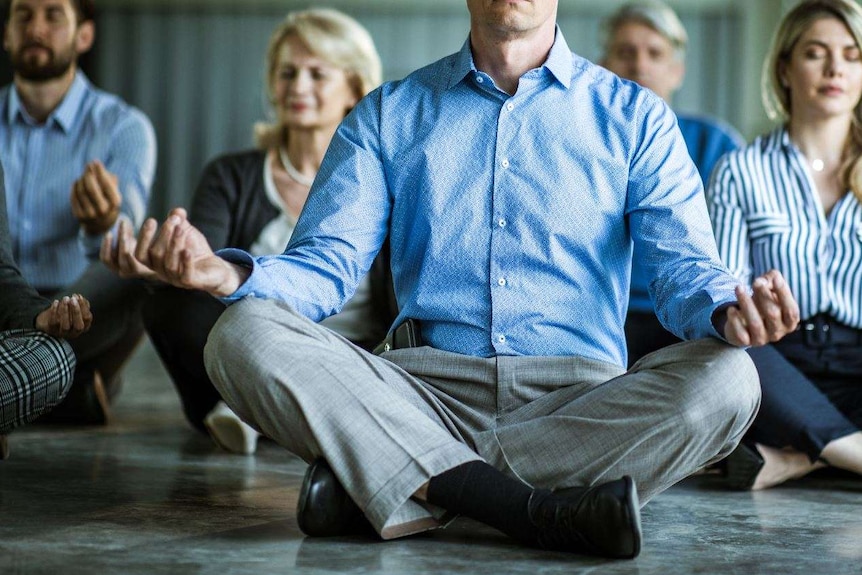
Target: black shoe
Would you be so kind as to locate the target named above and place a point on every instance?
(742, 466)
(324, 508)
(600, 520)
(85, 404)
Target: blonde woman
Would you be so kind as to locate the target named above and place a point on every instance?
(319, 64)
(791, 201)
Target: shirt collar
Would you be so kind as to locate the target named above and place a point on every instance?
(558, 63)
(64, 115)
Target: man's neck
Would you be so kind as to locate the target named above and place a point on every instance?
(42, 98)
(507, 57)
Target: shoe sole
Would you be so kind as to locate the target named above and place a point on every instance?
(743, 466)
(215, 430)
(633, 517)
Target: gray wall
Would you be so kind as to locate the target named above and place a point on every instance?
(196, 66)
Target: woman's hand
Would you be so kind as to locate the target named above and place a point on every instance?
(120, 258)
(66, 318)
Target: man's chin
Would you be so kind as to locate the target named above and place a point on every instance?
(41, 73)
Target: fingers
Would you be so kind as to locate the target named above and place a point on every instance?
(76, 319)
(93, 191)
(159, 250)
(107, 182)
(108, 253)
(766, 315)
(96, 198)
(787, 304)
(83, 207)
(735, 330)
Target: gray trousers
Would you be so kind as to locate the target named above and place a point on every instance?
(388, 424)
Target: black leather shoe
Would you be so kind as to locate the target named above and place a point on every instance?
(324, 508)
(742, 466)
(599, 520)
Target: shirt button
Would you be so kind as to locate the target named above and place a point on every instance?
(501, 281)
(505, 163)
(479, 79)
(501, 338)
(501, 222)
(510, 106)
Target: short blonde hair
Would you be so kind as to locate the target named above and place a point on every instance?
(332, 36)
(776, 96)
(653, 14)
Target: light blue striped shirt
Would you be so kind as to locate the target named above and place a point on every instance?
(509, 217)
(767, 214)
(42, 161)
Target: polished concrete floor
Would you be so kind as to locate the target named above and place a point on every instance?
(148, 495)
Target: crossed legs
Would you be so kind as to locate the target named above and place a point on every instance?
(387, 425)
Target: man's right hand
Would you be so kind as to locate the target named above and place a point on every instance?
(178, 253)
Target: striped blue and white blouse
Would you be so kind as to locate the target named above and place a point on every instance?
(767, 214)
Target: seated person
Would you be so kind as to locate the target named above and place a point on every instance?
(319, 64)
(792, 200)
(645, 42)
(36, 367)
(78, 161)
(511, 179)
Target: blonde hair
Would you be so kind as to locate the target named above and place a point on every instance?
(332, 36)
(776, 96)
(653, 14)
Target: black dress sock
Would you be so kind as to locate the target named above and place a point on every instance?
(481, 492)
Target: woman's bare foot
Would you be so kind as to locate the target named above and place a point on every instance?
(780, 465)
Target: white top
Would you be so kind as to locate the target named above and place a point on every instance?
(355, 321)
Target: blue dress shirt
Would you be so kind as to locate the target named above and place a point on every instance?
(707, 140)
(511, 218)
(42, 161)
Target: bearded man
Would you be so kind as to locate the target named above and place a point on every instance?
(78, 161)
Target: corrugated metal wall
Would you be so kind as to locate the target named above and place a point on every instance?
(197, 70)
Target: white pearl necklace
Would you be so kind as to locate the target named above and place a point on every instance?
(817, 165)
(297, 176)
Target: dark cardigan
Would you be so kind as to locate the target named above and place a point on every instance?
(231, 208)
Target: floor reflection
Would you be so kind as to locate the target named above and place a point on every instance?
(149, 495)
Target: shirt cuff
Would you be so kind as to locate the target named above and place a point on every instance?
(720, 305)
(240, 258)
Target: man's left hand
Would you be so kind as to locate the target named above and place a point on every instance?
(96, 199)
(765, 316)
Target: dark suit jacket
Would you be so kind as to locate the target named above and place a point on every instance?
(19, 302)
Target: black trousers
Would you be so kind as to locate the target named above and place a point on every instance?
(812, 387)
(178, 322)
(645, 334)
(117, 327)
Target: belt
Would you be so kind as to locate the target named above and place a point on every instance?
(823, 330)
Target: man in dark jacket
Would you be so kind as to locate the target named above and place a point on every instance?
(36, 367)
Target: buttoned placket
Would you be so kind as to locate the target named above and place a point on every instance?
(501, 233)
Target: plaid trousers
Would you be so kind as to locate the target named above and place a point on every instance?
(36, 372)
